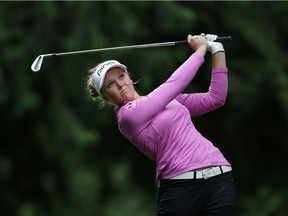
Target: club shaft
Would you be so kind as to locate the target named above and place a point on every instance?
(117, 48)
(163, 44)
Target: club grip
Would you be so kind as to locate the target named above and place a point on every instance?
(219, 39)
(224, 39)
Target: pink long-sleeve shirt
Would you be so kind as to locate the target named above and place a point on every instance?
(160, 123)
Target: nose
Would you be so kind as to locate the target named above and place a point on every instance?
(119, 84)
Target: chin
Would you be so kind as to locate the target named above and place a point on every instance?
(128, 96)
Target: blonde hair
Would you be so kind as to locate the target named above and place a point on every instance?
(90, 86)
(92, 90)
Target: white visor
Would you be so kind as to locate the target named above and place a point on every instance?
(101, 70)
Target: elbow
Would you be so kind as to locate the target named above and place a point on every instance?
(221, 104)
(219, 101)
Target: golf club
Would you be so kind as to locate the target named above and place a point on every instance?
(36, 66)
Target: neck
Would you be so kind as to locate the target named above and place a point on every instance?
(136, 95)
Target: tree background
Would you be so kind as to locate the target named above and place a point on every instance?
(60, 155)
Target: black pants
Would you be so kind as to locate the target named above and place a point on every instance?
(197, 197)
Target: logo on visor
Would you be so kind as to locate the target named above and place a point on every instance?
(99, 71)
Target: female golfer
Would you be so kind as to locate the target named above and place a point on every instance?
(194, 178)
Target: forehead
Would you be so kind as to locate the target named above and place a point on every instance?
(112, 72)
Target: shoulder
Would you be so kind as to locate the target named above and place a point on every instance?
(128, 116)
(128, 110)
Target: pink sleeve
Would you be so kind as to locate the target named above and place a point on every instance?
(142, 110)
(199, 103)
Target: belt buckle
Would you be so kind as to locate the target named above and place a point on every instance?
(209, 172)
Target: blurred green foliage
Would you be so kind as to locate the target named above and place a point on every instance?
(60, 155)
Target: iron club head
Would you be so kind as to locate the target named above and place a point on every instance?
(37, 63)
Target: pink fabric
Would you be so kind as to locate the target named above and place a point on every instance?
(160, 124)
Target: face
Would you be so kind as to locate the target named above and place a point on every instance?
(118, 86)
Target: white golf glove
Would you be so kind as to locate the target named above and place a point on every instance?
(211, 37)
(213, 47)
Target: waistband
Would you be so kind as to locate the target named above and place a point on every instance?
(205, 173)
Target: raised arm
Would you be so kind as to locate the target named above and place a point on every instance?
(200, 103)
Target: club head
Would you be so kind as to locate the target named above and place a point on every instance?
(36, 66)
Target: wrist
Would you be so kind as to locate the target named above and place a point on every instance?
(214, 47)
(202, 50)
